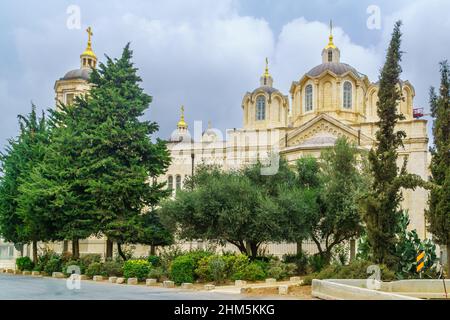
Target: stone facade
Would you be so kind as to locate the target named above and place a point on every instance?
(332, 100)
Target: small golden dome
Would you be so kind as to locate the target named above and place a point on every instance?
(89, 52)
(182, 124)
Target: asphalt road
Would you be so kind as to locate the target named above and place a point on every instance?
(14, 287)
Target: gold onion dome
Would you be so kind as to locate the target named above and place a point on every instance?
(182, 123)
(89, 52)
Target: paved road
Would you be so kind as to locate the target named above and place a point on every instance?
(32, 288)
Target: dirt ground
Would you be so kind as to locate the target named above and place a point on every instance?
(298, 292)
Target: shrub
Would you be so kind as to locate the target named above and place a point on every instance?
(214, 268)
(300, 260)
(154, 260)
(197, 255)
(88, 259)
(218, 269)
(182, 269)
(113, 268)
(279, 270)
(316, 262)
(24, 263)
(355, 270)
(44, 258)
(341, 253)
(157, 273)
(240, 262)
(69, 263)
(136, 269)
(96, 269)
(55, 264)
(168, 255)
(253, 272)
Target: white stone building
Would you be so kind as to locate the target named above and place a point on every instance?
(333, 99)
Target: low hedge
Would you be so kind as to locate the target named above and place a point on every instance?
(279, 270)
(355, 270)
(136, 269)
(24, 263)
(96, 269)
(182, 269)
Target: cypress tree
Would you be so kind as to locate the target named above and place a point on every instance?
(438, 214)
(381, 206)
(120, 161)
(19, 223)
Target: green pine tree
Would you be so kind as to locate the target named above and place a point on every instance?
(120, 161)
(438, 214)
(381, 206)
(21, 224)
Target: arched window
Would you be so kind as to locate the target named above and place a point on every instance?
(330, 56)
(261, 108)
(170, 183)
(347, 100)
(178, 182)
(308, 98)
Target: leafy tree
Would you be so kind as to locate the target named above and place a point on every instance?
(381, 205)
(324, 203)
(342, 188)
(224, 207)
(299, 201)
(438, 214)
(56, 187)
(120, 162)
(17, 223)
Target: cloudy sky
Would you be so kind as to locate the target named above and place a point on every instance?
(206, 54)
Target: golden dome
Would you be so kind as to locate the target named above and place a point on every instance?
(89, 52)
(182, 124)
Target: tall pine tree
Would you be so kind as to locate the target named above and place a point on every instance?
(381, 206)
(438, 214)
(57, 187)
(17, 223)
(120, 160)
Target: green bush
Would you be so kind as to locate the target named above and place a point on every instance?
(154, 260)
(167, 255)
(355, 270)
(279, 270)
(156, 273)
(87, 259)
(73, 263)
(44, 258)
(197, 255)
(24, 263)
(136, 269)
(254, 271)
(96, 269)
(240, 262)
(182, 269)
(55, 264)
(113, 268)
(316, 262)
(300, 260)
(214, 268)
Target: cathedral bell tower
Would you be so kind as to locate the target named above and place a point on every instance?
(88, 58)
(76, 82)
(266, 79)
(331, 53)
